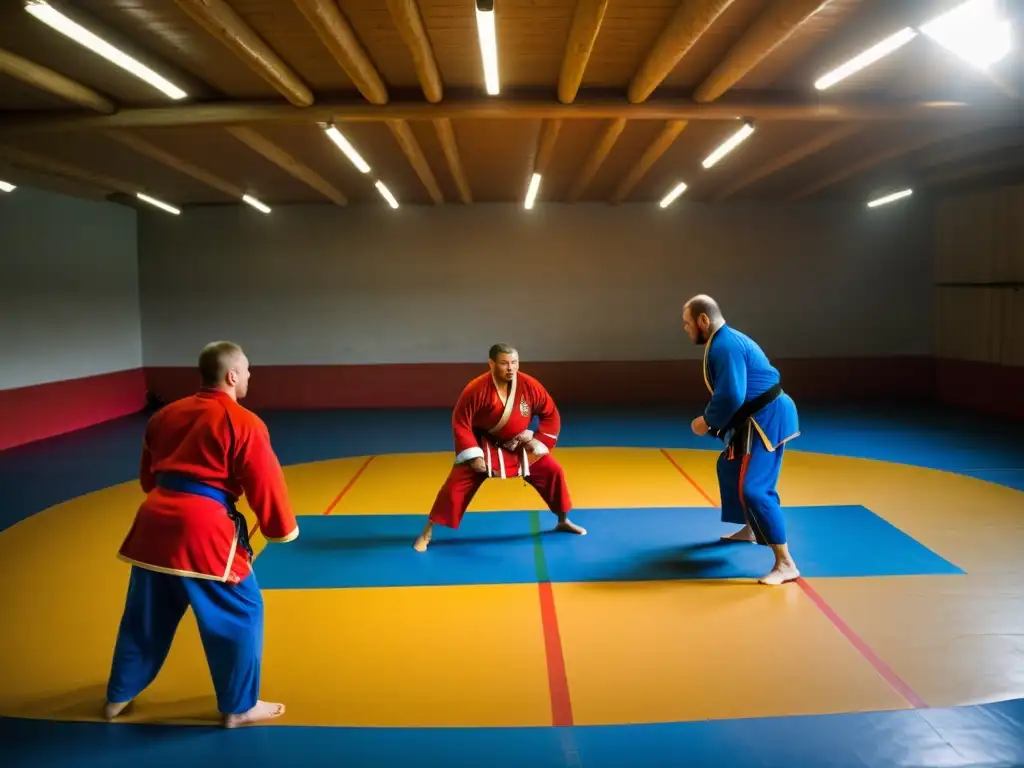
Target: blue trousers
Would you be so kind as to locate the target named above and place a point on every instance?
(230, 619)
(747, 475)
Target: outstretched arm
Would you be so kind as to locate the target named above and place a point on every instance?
(263, 482)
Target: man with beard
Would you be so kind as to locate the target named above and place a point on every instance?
(755, 418)
(489, 424)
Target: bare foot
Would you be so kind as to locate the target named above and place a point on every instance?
(567, 526)
(264, 710)
(112, 710)
(743, 534)
(421, 543)
(780, 574)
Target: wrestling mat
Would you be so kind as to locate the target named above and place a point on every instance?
(910, 600)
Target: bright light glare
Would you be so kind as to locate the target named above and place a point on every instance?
(531, 192)
(7, 187)
(255, 203)
(973, 31)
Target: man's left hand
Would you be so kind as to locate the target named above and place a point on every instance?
(699, 426)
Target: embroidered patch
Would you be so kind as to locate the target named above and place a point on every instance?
(524, 407)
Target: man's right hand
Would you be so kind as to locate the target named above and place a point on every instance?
(478, 465)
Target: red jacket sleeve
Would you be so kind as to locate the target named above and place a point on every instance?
(263, 482)
(467, 447)
(546, 411)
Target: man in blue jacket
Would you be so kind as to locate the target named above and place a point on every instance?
(755, 418)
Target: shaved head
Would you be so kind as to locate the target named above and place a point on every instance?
(701, 317)
(223, 365)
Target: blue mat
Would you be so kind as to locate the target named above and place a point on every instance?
(621, 545)
(987, 735)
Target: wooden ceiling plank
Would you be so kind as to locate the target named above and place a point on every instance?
(218, 18)
(340, 39)
(46, 79)
(917, 141)
(806, 149)
(690, 21)
(409, 22)
(654, 151)
(47, 165)
(446, 135)
(147, 148)
(287, 162)
(758, 106)
(771, 28)
(586, 23)
(407, 141)
(602, 148)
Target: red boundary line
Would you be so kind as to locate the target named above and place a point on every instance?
(333, 504)
(558, 680)
(895, 681)
(348, 486)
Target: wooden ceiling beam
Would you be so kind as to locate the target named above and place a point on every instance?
(602, 148)
(690, 21)
(218, 18)
(287, 162)
(912, 144)
(407, 141)
(654, 151)
(47, 165)
(337, 35)
(586, 23)
(153, 152)
(46, 79)
(747, 105)
(409, 22)
(446, 135)
(806, 149)
(770, 29)
(546, 140)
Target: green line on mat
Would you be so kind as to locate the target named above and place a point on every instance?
(538, 549)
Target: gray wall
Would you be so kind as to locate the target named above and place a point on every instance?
(69, 290)
(323, 285)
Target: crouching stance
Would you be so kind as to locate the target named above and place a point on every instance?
(490, 425)
(755, 418)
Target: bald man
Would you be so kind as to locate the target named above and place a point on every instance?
(189, 545)
(755, 418)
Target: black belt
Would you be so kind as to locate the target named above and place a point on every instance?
(172, 481)
(748, 409)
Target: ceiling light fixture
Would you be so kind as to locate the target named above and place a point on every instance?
(6, 187)
(488, 37)
(973, 31)
(345, 146)
(386, 194)
(890, 198)
(158, 203)
(729, 144)
(255, 203)
(862, 60)
(675, 192)
(75, 31)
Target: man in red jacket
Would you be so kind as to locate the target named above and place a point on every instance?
(489, 425)
(189, 547)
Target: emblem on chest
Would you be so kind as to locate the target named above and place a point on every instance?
(524, 407)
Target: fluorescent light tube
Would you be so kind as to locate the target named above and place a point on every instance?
(350, 151)
(890, 198)
(488, 38)
(531, 191)
(255, 203)
(675, 192)
(386, 194)
(865, 59)
(728, 145)
(157, 203)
